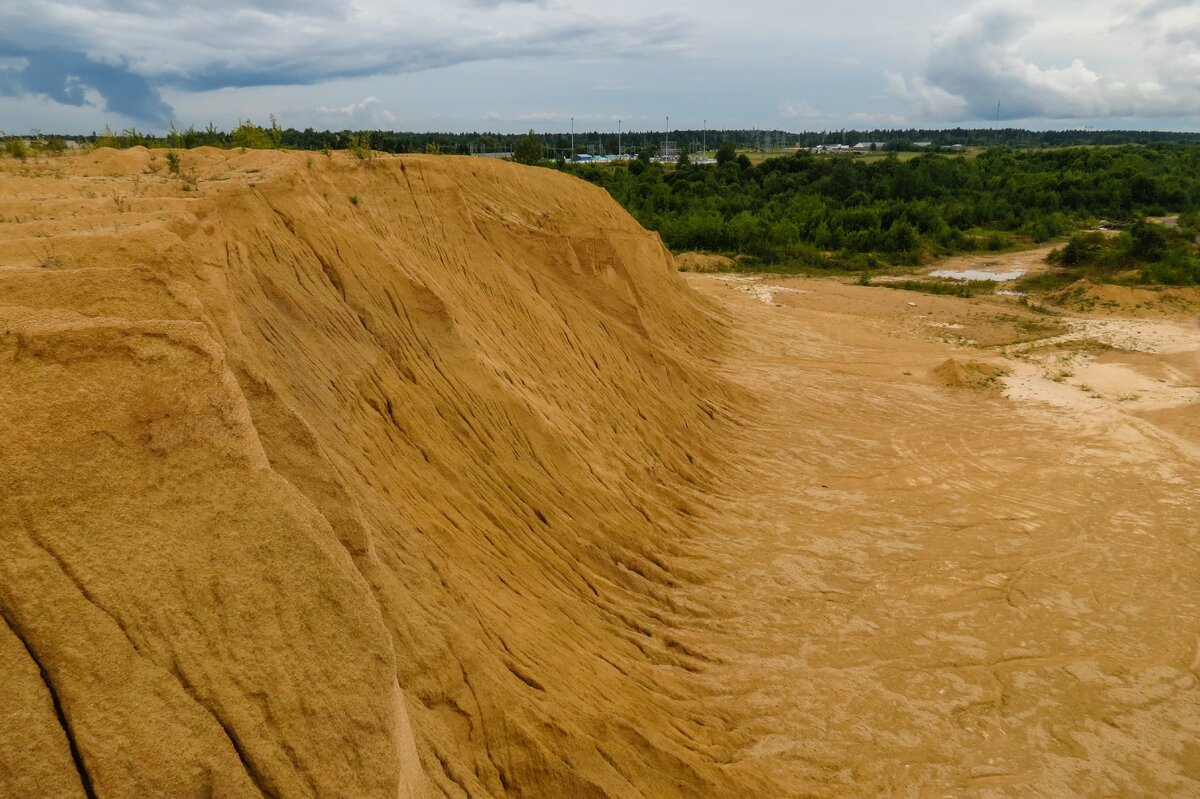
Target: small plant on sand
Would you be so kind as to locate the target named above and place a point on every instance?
(48, 145)
(360, 146)
(48, 259)
(354, 199)
(17, 149)
(106, 139)
(173, 162)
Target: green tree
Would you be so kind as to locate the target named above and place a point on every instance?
(252, 137)
(527, 149)
(726, 152)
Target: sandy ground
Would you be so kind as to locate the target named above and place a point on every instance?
(1029, 261)
(939, 591)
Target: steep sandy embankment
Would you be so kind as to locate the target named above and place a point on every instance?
(347, 479)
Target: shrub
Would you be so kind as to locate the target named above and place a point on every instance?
(253, 137)
(17, 149)
(360, 146)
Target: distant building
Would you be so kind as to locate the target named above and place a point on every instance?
(922, 144)
(869, 146)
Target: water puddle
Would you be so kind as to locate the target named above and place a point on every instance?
(977, 274)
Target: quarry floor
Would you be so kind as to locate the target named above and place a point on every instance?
(946, 587)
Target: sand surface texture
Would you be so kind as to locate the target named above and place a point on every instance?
(425, 476)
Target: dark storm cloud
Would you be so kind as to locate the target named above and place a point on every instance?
(67, 78)
(125, 51)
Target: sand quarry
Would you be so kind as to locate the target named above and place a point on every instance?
(432, 477)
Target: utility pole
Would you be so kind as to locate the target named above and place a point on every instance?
(572, 138)
(620, 152)
(667, 138)
(704, 140)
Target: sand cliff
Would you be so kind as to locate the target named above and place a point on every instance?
(319, 429)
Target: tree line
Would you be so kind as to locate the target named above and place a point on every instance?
(608, 141)
(814, 211)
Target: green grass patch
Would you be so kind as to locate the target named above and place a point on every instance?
(948, 288)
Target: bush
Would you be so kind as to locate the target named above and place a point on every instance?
(1177, 268)
(1083, 248)
(1147, 241)
(252, 137)
(360, 146)
(17, 149)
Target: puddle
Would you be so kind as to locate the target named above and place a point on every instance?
(976, 274)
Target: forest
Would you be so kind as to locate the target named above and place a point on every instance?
(807, 211)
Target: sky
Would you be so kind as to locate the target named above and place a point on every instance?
(74, 66)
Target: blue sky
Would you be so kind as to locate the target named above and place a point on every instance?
(78, 65)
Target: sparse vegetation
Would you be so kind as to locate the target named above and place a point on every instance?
(360, 147)
(951, 288)
(16, 148)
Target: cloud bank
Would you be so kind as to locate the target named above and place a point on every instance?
(980, 59)
(119, 54)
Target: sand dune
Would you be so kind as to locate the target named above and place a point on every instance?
(430, 476)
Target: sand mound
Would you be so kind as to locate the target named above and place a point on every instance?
(1133, 301)
(703, 262)
(969, 374)
(327, 478)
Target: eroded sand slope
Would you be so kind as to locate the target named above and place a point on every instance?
(431, 477)
(261, 435)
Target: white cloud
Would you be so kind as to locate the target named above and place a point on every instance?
(980, 58)
(925, 101)
(363, 114)
(799, 110)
